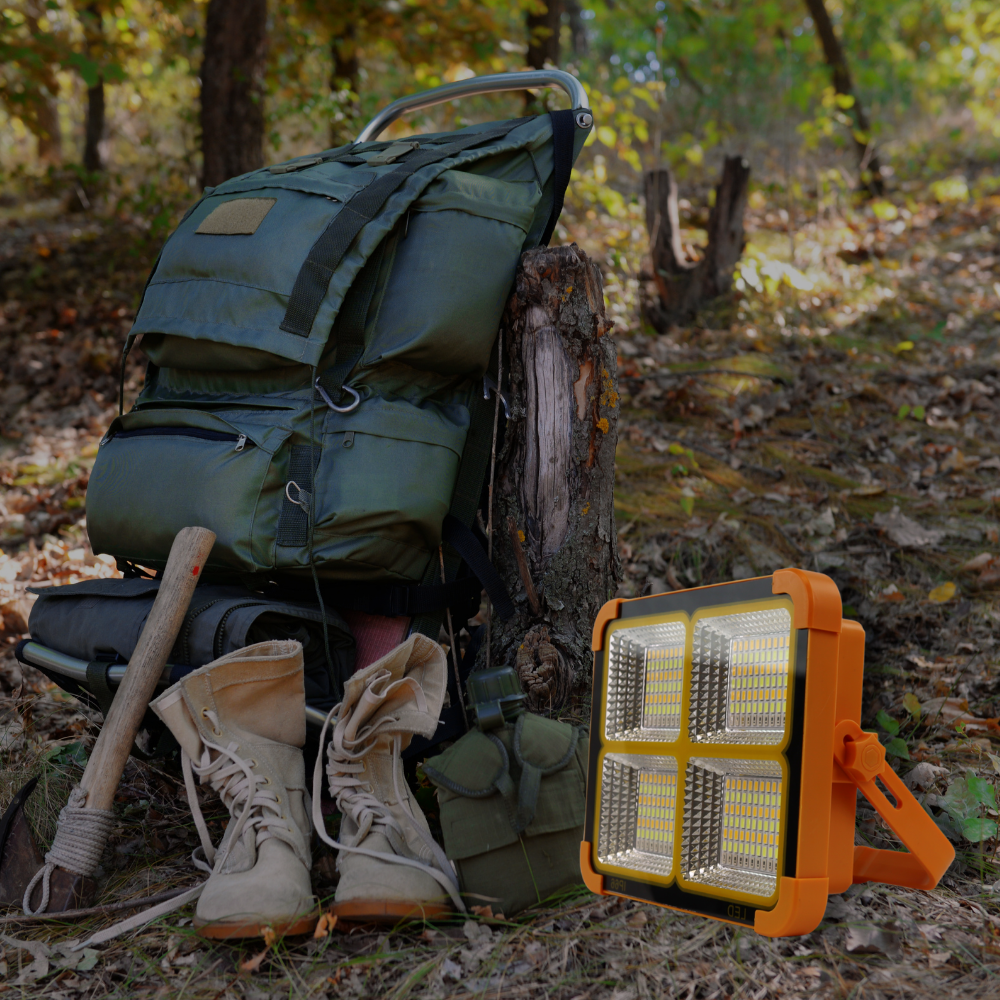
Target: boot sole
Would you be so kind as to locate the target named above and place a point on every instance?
(388, 911)
(219, 930)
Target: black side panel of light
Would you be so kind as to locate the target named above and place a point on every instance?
(596, 712)
(673, 895)
(794, 752)
(691, 601)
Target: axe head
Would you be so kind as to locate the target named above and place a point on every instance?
(20, 859)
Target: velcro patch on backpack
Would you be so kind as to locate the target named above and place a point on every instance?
(239, 217)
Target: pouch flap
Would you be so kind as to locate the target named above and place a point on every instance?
(99, 588)
(444, 424)
(471, 765)
(545, 743)
(235, 288)
(477, 194)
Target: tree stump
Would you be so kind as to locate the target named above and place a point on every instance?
(677, 287)
(554, 538)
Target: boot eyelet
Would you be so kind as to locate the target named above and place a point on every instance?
(253, 763)
(277, 799)
(217, 732)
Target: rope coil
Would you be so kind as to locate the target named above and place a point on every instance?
(80, 840)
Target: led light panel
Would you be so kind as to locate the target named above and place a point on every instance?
(727, 755)
(731, 832)
(645, 675)
(739, 677)
(637, 816)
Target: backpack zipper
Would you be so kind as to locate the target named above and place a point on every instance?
(240, 440)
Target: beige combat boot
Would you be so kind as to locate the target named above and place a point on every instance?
(390, 867)
(240, 721)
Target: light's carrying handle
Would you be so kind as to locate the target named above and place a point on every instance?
(862, 759)
(492, 84)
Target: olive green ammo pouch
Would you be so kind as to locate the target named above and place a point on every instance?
(512, 803)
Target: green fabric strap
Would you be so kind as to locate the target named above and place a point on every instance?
(349, 329)
(472, 470)
(313, 280)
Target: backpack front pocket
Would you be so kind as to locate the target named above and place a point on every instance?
(383, 484)
(160, 470)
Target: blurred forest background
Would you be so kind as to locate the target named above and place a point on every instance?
(131, 107)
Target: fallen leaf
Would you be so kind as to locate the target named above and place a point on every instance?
(952, 710)
(638, 919)
(942, 593)
(938, 958)
(924, 775)
(253, 964)
(869, 490)
(269, 935)
(868, 939)
(977, 563)
(486, 912)
(450, 969)
(904, 531)
(324, 925)
(39, 951)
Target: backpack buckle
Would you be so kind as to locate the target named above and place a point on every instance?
(333, 406)
(393, 153)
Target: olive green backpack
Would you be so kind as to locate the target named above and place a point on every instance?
(512, 801)
(320, 337)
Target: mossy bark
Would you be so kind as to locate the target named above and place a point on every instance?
(554, 485)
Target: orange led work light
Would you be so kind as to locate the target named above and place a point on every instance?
(726, 754)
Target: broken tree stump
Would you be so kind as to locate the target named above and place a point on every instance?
(554, 538)
(677, 287)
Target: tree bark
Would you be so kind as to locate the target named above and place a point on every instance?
(49, 137)
(345, 73)
(543, 22)
(232, 89)
(676, 287)
(869, 166)
(94, 133)
(554, 538)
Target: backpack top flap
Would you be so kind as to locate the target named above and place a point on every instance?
(264, 260)
(527, 778)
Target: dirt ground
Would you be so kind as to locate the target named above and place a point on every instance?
(839, 412)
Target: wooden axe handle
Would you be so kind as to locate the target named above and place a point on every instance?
(187, 558)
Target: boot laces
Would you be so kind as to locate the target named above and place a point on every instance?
(355, 797)
(244, 793)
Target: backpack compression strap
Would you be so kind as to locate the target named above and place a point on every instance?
(327, 252)
(563, 136)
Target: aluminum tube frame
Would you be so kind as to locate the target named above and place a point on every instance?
(495, 83)
(76, 669)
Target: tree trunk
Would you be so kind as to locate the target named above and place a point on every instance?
(49, 137)
(577, 28)
(94, 133)
(344, 76)
(232, 89)
(554, 538)
(677, 287)
(868, 161)
(543, 21)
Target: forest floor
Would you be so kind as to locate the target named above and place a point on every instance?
(839, 413)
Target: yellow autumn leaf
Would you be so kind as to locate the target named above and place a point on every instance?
(607, 135)
(942, 594)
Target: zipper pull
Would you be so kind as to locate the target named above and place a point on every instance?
(241, 442)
